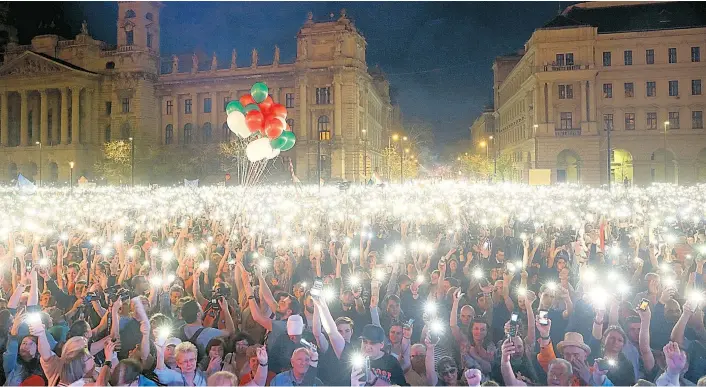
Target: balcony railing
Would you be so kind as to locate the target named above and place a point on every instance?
(574, 132)
(562, 68)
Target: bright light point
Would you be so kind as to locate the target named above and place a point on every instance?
(171, 278)
(478, 273)
(156, 281)
(521, 291)
(589, 275)
(670, 282)
(696, 297)
(304, 285)
(598, 298)
(167, 256)
(380, 275)
(623, 288)
(263, 263)
(612, 362)
(612, 275)
(358, 360)
(420, 279)
(436, 326)
(511, 267)
(328, 294)
(538, 240)
(430, 308)
(164, 332)
(354, 280)
(170, 240)
(191, 250)
(551, 286)
(615, 250)
(33, 318)
(44, 262)
(204, 265)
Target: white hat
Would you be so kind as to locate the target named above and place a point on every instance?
(295, 325)
(172, 341)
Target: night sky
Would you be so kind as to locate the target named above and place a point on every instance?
(437, 56)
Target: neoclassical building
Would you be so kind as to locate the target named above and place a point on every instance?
(629, 67)
(73, 95)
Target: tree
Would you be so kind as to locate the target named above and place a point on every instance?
(392, 164)
(482, 168)
(116, 162)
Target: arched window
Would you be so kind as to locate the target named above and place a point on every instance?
(30, 123)
(149, 16)
(322, 128)
(290, 122)
(188, 129)
(206, 133)
(32, 170)
(12, 171)
(107, 133)
(226, 132)
(169, 134)
(110, 65)
(125, 131)
(129, 14)
(129, 38)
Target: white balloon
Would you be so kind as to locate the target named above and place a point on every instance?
(258, 149)
(236, 124)
(275, 153)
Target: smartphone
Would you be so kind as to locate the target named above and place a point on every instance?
(366, 370)
(28, 265)
(543, 317)
(307, 344)
(644, 304)
(513, 325)
(604, 364)
(317, 287)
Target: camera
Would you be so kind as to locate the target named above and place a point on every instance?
(606, 364)
(117, 292)
(220, 292)
(90, 297)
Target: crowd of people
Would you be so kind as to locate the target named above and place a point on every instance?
(424, 284)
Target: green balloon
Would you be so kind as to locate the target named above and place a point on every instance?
(234, 106)
(250, 107)
(291, 140)
(279, 143)
(259, 92)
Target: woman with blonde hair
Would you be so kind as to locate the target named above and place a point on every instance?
(75, 367)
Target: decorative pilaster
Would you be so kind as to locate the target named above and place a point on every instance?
(24, 118)
(75, 115)
(44, 120)
(4, 127)
(64, 115)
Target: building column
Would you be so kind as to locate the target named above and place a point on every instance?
(584, 102)
(303, 112)
(337, 110)
(592, 114)
(55, 114)
(550, 105)
(176, 133)
(216, 130)
(75, 115)
(64, 115)
(44, 123)
(24, 118)
(88, 129)
(4, 127)
(195, 133)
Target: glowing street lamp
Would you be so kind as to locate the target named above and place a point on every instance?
(71, 176)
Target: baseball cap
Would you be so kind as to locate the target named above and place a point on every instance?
(373, 333)
(172, 341)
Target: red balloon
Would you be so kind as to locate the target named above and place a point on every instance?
(246, 100)
(279, 110)
(266, 105)
(274, 127)
(255, 121)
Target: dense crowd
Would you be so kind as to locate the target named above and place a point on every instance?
(423, 284)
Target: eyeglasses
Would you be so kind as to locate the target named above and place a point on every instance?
(450, 371)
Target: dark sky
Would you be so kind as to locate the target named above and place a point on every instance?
(438, 56)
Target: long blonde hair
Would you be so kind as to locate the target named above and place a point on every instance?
(72, 355)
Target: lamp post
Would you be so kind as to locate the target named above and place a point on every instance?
(40, 162)
(132, 161)
(71, 177)
(365, 154)
(495, 157)
(484, 144)
(324, 135)
(666, 126)
(401, 164)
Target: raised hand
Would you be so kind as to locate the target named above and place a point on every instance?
(675, 357)
(473, 377)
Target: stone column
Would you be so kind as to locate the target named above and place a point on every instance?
(64, 115)
(592, 101)
(88, 130)
(303, 112)
(4, 127)
(75, 115)
(176, 133)
(24, 118)
(584, 102)
(550, 107)
(338, 110)
(216, 132)
(44, 123)
(55, 114)
(195, 132)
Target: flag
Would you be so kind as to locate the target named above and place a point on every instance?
(191, 183)
(25, 185)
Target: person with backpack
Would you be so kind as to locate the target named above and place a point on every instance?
(194, 331)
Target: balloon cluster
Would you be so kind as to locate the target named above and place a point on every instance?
(257, 115)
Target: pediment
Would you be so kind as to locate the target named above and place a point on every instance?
(31, 64)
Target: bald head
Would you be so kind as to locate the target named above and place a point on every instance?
(467, 314)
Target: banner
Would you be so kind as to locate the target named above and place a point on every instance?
(25, 185)
(540, 176)
(191, 183)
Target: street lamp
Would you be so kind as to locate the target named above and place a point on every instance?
(365, 154)
(71, 177)
(324, 135)
(495, 157)
(40, 162)
(401, 166)
(484, 144)
(395, 138)
(132, 161)
(666, 126)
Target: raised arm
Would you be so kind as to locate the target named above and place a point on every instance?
(432, 377)
(648, 358)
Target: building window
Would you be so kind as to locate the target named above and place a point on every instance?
(149, 16)
(170, 106)
(169, 134)
(606, 59)
(187, 106)
(188, 129)
(629, 89)
(629, 121)
(290, 123)
(566, 92)
(569, 59)
(207, 133)
(672, 52)
(108, 108)
(607, 122)
(673, 88)
(107, 134)
(289, 100)
(126, 105)
(650, 56)
(149, 40)
(207, 105)
(607, 90)
(696, 87)
(628, 57)
(129, 38)
(322, 128)
(226, 100)
(566, 120)
(651, 89)
(129, 14)
(697, 119)
(323, 95)
(696, 54)
(652, 120)
(673, 120)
